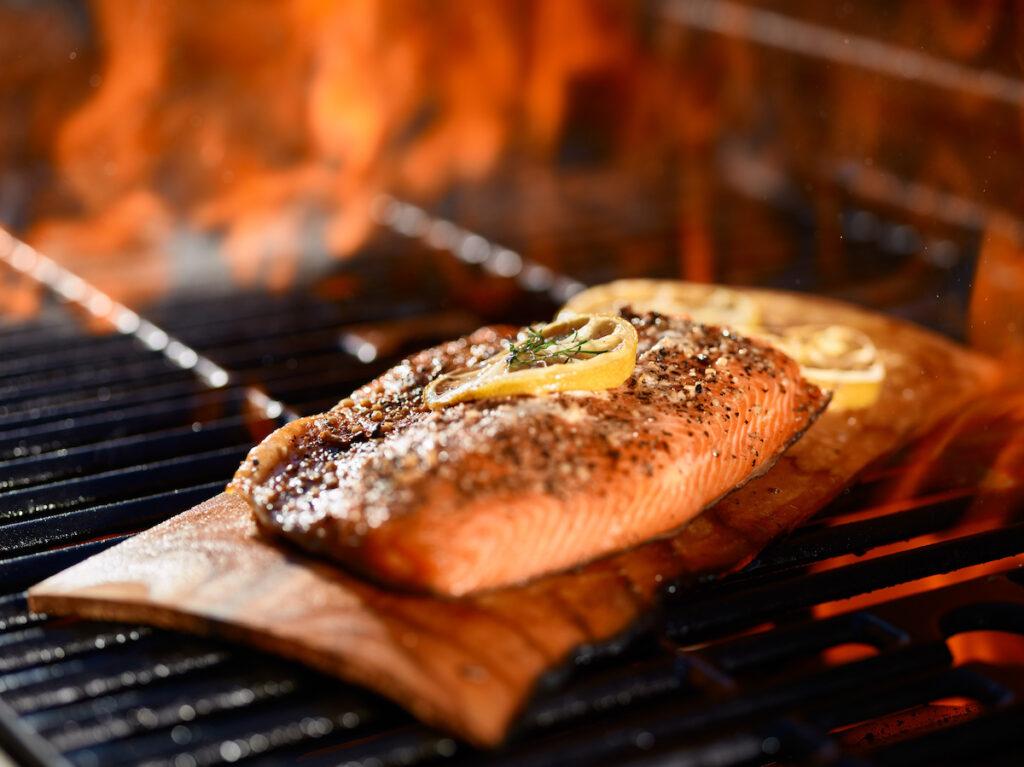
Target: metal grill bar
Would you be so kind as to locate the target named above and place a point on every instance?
(91, 379)
(32, 413)
(141, 419)
(701, 615)
(58, 497)
(72, 527)
(89, 680)
(817, 542)
(125, 451)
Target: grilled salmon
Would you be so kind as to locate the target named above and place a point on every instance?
(494, 492)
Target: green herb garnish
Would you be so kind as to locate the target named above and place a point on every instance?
(536, 349)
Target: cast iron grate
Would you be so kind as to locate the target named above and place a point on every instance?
(101, 436)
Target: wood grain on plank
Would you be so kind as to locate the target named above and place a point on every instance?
(470, 665)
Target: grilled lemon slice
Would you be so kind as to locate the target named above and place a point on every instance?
(836, 357)
(710, 304)
(580, 352)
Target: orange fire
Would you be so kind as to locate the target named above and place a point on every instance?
(229, 132)
(981, 451)
(980, 454)
(240, 127)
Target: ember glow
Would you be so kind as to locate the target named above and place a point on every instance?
(976, 462)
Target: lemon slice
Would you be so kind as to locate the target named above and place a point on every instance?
(709, 304)
(836, 357)
(582, 352)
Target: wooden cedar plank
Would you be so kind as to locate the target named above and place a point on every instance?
(469, 665)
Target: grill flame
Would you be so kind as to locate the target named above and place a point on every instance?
(232, 131)
(979, 456)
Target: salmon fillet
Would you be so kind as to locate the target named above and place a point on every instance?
(489, 493)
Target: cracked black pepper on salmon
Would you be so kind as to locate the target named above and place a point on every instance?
(493, 492)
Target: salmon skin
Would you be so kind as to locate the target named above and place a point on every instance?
(494, 492)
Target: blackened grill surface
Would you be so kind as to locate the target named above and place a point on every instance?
(77, 477)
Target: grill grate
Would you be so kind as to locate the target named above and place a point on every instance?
(102, 436)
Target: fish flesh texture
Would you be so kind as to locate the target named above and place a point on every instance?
(494, 492)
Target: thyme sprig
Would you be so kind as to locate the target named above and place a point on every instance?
(538, 350)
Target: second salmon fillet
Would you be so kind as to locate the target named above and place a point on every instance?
(493, 492)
